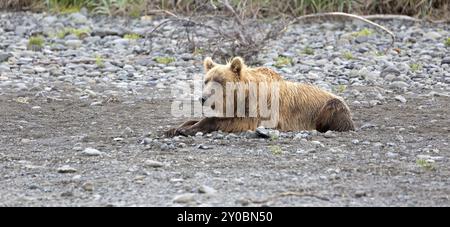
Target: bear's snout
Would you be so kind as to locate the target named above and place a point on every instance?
(202, 100)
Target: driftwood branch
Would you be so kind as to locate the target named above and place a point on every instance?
(403, 17)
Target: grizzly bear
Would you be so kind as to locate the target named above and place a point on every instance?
(299, 106)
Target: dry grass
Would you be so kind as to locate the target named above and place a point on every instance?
(251, 8)
(264, 8)
(16, 4)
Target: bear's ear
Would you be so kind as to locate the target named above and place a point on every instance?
(208, 64)
(236, 65)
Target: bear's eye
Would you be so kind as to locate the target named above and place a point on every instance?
(218, 80)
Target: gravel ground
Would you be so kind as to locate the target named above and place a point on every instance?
(81, 119)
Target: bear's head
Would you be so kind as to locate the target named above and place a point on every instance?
(220, 78)
(231, 72)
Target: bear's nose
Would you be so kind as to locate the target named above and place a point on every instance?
(202, 99)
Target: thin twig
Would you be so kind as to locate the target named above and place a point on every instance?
(286, 194)
(231, 9)
(391, 17)
(403, 17)
(162, 12)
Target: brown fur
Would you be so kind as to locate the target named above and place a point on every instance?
(301, 106)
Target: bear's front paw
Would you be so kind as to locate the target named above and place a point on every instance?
(185, 131)
(171, 132)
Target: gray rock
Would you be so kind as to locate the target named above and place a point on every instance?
(432, 35)
(102, 32)
(186, 57)
(445, 60)
(400, 98)
(4, 68)
(361, 39)
(127, 132)
(128, 68)
(67, 194)
(199, 134)
(66, 169)
(164, 147)
(73, 43)
(88, 186)
(390, 70)
(122, 42)
(359, 194)
(5, 57)
(207, 190)
(329, 134)
(274, 134)
(243, 202)
(153, 164)
(317, 143)
(374, 102)
(78, 18)
(399, 85)
(169, 69)
(49, 19)
(203, 147)
(21, 30)
(146, 141)
(391, 155)
(368, 125)
(96, 103)
(91, 152)
(301, 135)
(184, 198)
(430, 158)
(262, 132)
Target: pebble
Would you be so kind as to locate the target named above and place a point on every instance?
(146, 141)
(355, 141)
(400, 98)
(391, 155)
(199, 134)
(359, 194)
(184, 198)
(445, 60)
(88, 186)
(243, 202)
(429, 157)
(127, 132)
(67, 194)
(329, 134)
(390, 70)
(73, 43)
(4, 56)
(262, 132)
(153, 164)
(91, 152)
(203, 147)
(317, 143)
(302, 135)
(207, 190)
(399, 85)
(66, 169)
